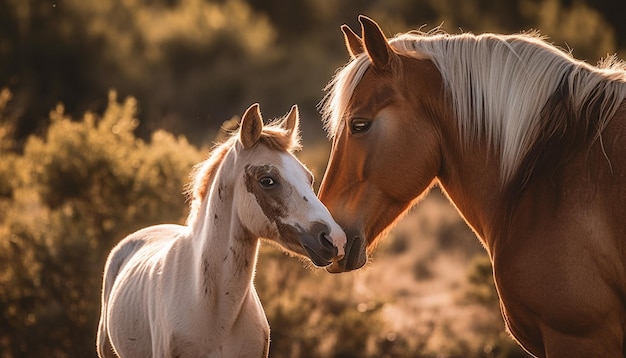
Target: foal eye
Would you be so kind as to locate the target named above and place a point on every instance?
(359, 126)
(267, 182)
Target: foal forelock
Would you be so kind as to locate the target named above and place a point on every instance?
(498, 86)
(203, 174)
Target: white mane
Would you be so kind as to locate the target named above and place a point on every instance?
(498, 85)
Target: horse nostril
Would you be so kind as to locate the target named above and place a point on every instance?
(327, 244)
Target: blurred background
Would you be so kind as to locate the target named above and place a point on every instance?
(106, 105)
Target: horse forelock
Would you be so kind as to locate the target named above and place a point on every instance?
(338, 93)
(275, 137)
(203, 174)
(498, 86)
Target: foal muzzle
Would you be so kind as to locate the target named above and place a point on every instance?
(319, 245)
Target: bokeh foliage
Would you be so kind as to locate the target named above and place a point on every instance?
(196, 62)
(67, 199)
(75, 179)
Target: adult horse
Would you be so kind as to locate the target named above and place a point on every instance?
(187, 291)
(528, 143)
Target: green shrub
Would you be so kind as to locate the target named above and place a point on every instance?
(73, 193)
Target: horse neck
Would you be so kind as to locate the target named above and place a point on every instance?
(225, 253)
(470, 177)
(469, 173)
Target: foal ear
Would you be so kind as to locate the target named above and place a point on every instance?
(376, 44)
(251, 126)
(292, 123)
(354, 44)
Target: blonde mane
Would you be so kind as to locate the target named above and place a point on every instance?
(203, 174)
(499, 86)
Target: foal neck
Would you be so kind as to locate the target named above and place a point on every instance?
(224, 250)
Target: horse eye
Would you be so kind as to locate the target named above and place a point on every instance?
(267, 182)
(359, 126)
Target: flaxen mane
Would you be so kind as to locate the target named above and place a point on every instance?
(202, 175)
(516, 90)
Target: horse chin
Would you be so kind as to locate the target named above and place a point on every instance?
(315, 257)
(355, 258)
(335, 267)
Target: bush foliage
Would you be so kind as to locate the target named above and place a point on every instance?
(67, 199)
(190, 62)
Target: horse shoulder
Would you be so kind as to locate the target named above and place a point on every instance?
(248, 336)
(251, 332)
(560, 269)
(606, 165)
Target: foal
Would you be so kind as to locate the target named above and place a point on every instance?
(187, 291)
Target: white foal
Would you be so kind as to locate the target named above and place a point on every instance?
(187, 291)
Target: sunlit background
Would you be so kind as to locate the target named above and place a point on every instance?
(106, 105)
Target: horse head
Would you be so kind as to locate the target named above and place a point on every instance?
(386, 143)
(276, 200)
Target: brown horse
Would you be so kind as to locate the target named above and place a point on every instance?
(527, 142)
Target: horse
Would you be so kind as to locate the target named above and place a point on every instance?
(187, 291)
(527, 142)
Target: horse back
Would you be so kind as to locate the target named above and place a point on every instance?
(149, 239)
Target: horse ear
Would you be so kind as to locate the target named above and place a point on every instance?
(376, 44)
(354, 45)
(292, 123)
(251, 126)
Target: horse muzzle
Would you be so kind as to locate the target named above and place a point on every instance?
(355, 257)
(319, 246)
